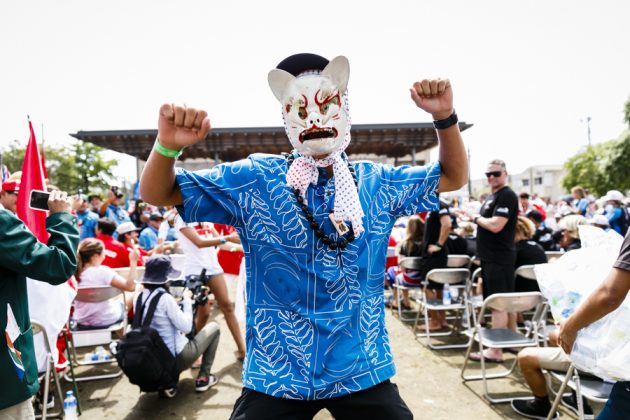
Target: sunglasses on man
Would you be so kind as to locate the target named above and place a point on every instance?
(495, 174)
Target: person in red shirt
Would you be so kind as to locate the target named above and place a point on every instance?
(116, 253)
(128, 236)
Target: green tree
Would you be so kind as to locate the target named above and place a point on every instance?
(78, 166)
(586, 169)
(626, 113)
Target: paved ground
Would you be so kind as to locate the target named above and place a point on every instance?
(428, 380)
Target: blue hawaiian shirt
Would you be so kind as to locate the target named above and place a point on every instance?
(315, 320)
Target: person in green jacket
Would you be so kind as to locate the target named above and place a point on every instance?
(22, 255)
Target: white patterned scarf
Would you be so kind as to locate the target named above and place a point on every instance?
(303, 171)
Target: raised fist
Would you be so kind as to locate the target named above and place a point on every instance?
(434, 96)
(179, 126)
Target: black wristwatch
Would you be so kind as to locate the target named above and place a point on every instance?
(446, 122)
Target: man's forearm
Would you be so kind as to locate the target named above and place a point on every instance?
(157, 182)
(453, 159)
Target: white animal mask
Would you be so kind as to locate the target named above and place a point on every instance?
(315, 107)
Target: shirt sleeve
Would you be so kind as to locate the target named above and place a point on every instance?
(506, 205)
(413, 189)
(22, 253)
(181, 319)
(216, 195)
(144, 240)
(623, 260)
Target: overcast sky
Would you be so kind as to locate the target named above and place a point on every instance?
(525, 73)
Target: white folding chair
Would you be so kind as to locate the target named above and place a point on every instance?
(552, 255)
(456, 279)
(38, 328)
(409, 264)
(458, 261)
(94, 336)
(502, 337)
(589, 387)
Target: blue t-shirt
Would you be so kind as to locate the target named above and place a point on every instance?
(117, 214)
(88, 220)
(315, 320)
(148, 238)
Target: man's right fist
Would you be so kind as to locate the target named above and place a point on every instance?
(179, 126)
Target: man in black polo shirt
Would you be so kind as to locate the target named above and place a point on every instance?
(495, 245)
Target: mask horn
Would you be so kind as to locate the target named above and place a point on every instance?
(278, 82)
(338, 70)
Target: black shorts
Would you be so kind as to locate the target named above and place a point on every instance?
(381, 401)
(438, 260)
(526, 285)
(497, 278)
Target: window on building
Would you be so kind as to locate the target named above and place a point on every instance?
(538, 180)
(526, 183)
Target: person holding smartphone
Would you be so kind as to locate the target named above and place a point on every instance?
(21, 256)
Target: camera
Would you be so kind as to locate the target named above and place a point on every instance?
(197, 285)
(116, 192)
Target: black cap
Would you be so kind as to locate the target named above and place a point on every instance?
(299, 63)
(534, 215)
(159, 270)
(156, 216)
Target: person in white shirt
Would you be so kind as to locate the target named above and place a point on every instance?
(90, 273)
(201, 253)
(173, 323)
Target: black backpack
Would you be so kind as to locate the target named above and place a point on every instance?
(142, 354)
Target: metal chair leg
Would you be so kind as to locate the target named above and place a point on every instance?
(556, 401)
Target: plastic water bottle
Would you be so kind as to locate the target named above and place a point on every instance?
(446, 295)
(102, 354)
(70, 407)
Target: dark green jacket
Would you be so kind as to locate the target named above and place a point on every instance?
(21, 256)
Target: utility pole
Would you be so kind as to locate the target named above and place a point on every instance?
(588, 130)
(469, 180)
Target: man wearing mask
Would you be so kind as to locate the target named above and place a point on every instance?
(315, 229)
(21, 256)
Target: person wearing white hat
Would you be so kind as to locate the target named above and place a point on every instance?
(600, 221)
(173, 323)
(616, 212)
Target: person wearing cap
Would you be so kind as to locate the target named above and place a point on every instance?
(173, 323)
(87, 218)
(112, 207)
(315, 229)
(543, 235)
(128, 236)
(148, 238)
(600, 221)
(616, 212)
(21, 256)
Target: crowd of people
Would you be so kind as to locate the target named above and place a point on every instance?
(501, 232)
(315, 228)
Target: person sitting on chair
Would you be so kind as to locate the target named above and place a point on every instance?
(90, 273)
(173, 323)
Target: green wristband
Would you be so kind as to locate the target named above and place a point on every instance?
(169, 153)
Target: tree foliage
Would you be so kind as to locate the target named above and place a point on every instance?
(600, 168)
(78, 166)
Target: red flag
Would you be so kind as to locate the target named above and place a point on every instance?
(32, 179)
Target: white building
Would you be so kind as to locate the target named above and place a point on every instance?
(541, 180)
